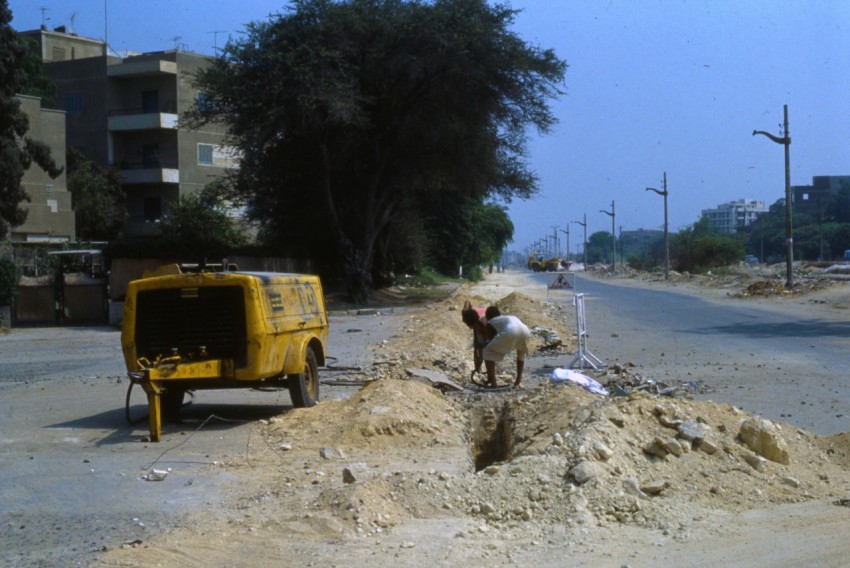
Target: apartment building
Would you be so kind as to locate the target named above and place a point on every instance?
(735, 215)
(814, 199)
(50, 218)
(122, 112)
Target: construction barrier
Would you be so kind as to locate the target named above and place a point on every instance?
(584, 356)
(565, 281)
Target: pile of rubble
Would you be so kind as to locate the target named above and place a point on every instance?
(529, 460)
(551, 456)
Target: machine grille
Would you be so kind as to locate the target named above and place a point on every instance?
(197, 322)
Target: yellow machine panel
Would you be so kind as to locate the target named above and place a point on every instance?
(223, 330)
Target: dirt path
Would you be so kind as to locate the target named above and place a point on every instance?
(398, 473)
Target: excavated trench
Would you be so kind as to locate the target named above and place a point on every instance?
(492, 434)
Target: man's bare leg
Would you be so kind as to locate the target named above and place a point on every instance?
(491, 372)
(520, 365)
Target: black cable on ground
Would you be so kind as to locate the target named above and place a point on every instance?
(204, 423)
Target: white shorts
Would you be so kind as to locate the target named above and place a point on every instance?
(510, 338)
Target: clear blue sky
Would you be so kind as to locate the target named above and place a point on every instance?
(652, 86)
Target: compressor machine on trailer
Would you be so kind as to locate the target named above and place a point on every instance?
(223, 330)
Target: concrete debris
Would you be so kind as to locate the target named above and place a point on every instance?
(762, 437)
(156, 475)
(584, 472)
(355, 472)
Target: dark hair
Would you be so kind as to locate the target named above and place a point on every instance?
(469, 316)
(492, 312)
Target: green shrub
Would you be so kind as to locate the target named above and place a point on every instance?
(9, 275)
(427, 276)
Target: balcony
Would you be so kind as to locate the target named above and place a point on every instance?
(150, 172)
(134, 119)
(149, 121)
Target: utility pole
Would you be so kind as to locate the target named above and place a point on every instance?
(556, 241)
(613, 236)
(785, 140)
(567, 232)
(622, 250)
(584, 243)
(666, 228)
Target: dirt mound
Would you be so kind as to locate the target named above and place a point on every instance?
(764, 288)
(436, 338)
(556, 454)
(397, 414)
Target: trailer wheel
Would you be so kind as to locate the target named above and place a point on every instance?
(172, 400)
(304, 387)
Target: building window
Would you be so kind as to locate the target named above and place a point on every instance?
(201, 102)
(58, 54)
(150, 102)
(153, 209)
(74, 103)
(205, 154)
(150, 156)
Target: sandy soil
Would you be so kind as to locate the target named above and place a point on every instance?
(405, 474)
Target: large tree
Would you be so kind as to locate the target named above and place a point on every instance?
(17, 150)
(342, 109)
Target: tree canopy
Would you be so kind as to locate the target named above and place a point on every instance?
(98, 198)
(17, 150)
(347, 113)
(701, 247)
(197, 226)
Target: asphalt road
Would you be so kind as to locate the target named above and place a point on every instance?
(786, 361)
(72, 470)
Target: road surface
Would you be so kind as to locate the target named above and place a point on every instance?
(785, 360)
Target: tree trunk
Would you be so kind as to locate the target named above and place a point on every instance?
(357, 273)
(383, 273)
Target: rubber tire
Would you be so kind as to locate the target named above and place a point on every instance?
(171, 401)
(304, 387)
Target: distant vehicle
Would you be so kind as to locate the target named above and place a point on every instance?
(751, 259)
(537, 264)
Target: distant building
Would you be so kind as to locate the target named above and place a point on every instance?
(122, 112)
(735, 215)
(635, 242)
(50, 217)
(813, 199)
(58, 45)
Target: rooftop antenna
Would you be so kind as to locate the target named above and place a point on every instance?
(73, 19)
(176, 40)
(43, 19)
(215, 38)
(105, 28)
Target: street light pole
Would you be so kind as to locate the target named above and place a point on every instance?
(666, 227)
(567, 232)
(789, 237)
(613, 236)
(584, 243)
